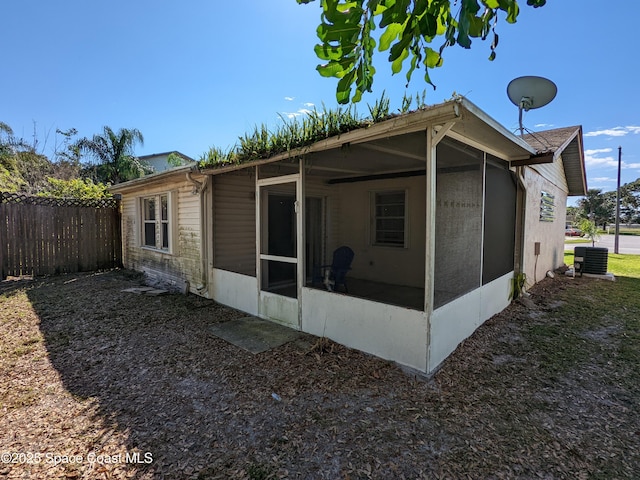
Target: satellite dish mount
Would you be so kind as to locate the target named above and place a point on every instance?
(530, 92)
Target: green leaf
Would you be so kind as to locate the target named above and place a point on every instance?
(343, 91)
(428, 26)
(399, 47)
(395, 13)
(433, 59)
(389, 35)
(412, 67)
(477, 27)
(427, 78)
(512, 9)
(396, 65)
(331, 69)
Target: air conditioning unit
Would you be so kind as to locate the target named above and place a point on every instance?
(593, 260)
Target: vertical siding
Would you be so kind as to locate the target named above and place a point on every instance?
(234, 222)
(183, 262)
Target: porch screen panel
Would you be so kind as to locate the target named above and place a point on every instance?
(459, 181)
(499, 221)
(234, 222)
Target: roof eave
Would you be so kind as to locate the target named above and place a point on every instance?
(451, 110)
(148, 179)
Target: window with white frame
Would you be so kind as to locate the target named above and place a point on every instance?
(389, 218)
(156, 229)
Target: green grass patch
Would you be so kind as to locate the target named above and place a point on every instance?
(576, 240)
(628, 231)
(619, 265)
(598, 324)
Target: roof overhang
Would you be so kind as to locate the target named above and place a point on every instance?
(154, 178)
(465, 121)
(565, 143)
(459, 118)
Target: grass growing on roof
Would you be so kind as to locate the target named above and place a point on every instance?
(304, 130)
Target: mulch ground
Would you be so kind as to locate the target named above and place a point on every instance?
(97, 383)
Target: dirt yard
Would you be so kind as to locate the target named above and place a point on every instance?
(97, 383)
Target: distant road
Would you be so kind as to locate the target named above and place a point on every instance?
(628, 243)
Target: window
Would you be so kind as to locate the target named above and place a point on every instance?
(155, 222)
(389, 218)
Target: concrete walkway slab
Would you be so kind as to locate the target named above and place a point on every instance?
(254, 334)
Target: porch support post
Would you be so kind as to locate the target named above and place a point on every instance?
(258, 237)
(301, 234)
(430, 243)
(434, 136)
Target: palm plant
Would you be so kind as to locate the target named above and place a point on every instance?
(114, 152)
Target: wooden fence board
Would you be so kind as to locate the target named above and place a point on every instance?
(47, 236)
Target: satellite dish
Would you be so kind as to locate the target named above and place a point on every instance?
(530, 92)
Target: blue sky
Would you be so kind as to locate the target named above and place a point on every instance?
(194, 74)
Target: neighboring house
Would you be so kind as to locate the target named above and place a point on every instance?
(442, 207)
(160, 162)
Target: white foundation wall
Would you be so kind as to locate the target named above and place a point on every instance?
(390, 332)
(235, 290)
(457, 320)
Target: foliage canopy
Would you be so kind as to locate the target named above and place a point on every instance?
(409, 30)
(80, 188)
(114, 152)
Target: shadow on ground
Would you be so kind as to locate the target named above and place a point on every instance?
(206, 409)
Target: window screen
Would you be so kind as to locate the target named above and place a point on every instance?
(499, 222)
(458, 221)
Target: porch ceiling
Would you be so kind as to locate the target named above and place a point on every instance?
(399, 153)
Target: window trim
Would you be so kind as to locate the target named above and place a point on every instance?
(373, 238)
(158, 222)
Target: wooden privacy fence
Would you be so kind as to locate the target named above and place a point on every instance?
(45, 236)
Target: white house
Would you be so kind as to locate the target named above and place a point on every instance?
(160, 162)
(442, 207)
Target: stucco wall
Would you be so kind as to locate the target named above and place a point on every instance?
(549, 234)
(183, 262)
(395, 265)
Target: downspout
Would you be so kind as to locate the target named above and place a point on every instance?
(520, 265)
(200, 188)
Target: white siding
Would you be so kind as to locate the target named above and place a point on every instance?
(183, 262)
